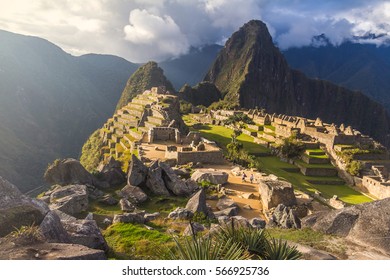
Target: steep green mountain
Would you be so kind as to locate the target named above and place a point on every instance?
(362, 67)
(251, 72)
(50, 102)
(204, 93)
(192, 67)
(147, 76)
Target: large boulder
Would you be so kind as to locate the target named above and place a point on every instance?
(70, 171)
(231, 211)
(53, 230)
(181, 214)
(193, 229)
(367, 224)
(134, 194)
(210, 175)
(18, 210)
(275, 192)
(130, 218)
(137, 172)
(112, 172)
(174, 183)
(284, 217)
(85, 232)
(72, 199)
(226, 202)
(109, 200)
(154, 180)
(197, 203)
(126, 206)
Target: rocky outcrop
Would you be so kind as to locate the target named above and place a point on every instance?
(275, 192)
(284, 217)
(367, 224)
(48, 251)
(181, 214)
(18, 210)
(213, 176)
(138, 218)
(226, 202)
(197, 204)
(134, 194)
(137, 172)
(126, 206)
(108, 200)
(70, 171)
(85, 232)
(112, 172)
(193, 229)
(176, 185)
(72, 199)
(53, 230)
(154, 181)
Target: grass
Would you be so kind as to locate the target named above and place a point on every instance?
(164, 205)
(308, 165)
(273, 165)
(133, 241)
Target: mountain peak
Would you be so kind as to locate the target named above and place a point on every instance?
(251, 72)
(147, 76)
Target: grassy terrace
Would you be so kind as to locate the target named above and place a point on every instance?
(272, 164)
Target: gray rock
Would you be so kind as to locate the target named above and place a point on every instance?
(94, 193)
(150, 217)
(107, 221)
(367, 223)
(45, 198)
(18, 210)
(275, 192)
(137, 172)
(89, 216)
(182, 172)
(181, 213)
(232, 211)
(85, 232)
(155, 182)
(197, 203)
(108, 200)
(72, 199)
(238, 221)
(129, 218)
(126, 205)
(69, 172)
(210, 175)
(52, 229)
(134, 194)
(193, 229)
(174, 183)
(225, 202)
(284, 217)
(112, 172)
(257, 223)
(336, 203)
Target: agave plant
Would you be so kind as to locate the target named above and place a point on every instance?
(198, 248)
(277, 249)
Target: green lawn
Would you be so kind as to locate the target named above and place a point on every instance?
(272, 164)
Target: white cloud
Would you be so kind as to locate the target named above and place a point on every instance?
(141, 30)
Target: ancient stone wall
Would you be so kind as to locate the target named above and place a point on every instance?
(212, 157)
(375, 187)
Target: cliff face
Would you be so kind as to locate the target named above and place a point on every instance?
(204, 93)
(146, 77)
(251, 72)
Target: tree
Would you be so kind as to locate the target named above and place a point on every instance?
(291, 147)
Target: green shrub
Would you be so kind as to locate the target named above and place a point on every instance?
(291, 147)
(91, 152)
(354, 167)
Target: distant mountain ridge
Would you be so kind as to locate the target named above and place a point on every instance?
(363, 67)
(251, 72)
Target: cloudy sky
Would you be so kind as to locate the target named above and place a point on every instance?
(142, 30)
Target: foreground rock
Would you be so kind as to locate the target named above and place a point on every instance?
(366, 224)
(210, 175)
(53, 229)
(48, 251)
(138, 218)
(18, 210)
(226, 202)
(197, 204)
(181, 214)
(72, 199)
(275, 192)
(193, 229)
(70, 171)
(173, 183)
(284, 217)
(154, 181)
(112, 172)
(137, 172)
(85, 232)
(134, 194)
